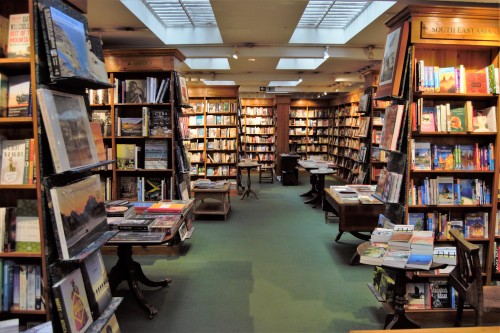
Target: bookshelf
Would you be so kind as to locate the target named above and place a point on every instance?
(145, 153)
(259, 129)
(22, 128)
(437, 158)
(213, 146)
(308, 128)
(344, 143)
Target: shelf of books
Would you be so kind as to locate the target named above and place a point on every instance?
(213, 147)
(22, 263)
(344, 142)
(259, 129)
(450, 109)
(136, 119)
(308, 128)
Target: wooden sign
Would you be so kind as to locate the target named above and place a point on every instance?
(459, 29)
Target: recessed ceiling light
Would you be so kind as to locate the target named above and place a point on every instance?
(251, 59)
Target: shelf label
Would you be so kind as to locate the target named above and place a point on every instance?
(459, 29)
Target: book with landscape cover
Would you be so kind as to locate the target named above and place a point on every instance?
(396, 258)
(79, 214)
(423, 156)
(70, 51)
(163, 222)
(156, 154)
(72, 304)
(68, 130)
(95, 127)
(417, 220)
(447, 80)
(130, 126)
(19, 94)
(475, 225)
(443, 157)
(12, 162)
(419, 261)
(416, 295)
(374, 254)
(466, 191)
(19, 36)
(445, 190)
(392, 126)
(96, 283)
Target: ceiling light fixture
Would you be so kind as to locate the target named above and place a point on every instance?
(326, 55)
(235, 53)
(371, 55)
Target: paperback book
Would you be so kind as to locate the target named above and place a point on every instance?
(13, 162)
(19, 36)
(19, 95)
(136, 223)
(96, 283)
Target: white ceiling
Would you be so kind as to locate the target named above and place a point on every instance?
(264, 30)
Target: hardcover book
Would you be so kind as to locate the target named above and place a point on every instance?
(79, 213)
(111, 326)
(181, 91)
(164, 222)
(160, 123)
(138, 237)
(125, 156)
(440, 294)
(4, 37)
(130, 126)
(415, 293)
(128, 188)
(98, 141)
(96, 283)
(476, 82)
(103, 117)
(71, 303)
(66, 121)
(19, 94)
(70, 51)
(13, 158)
(156, 154)
(417, 220)
(135, 91)
(19, 36)
(392, 126)
(153, 188)
(136, 223)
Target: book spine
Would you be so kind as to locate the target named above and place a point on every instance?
(16, 288)
(31, 166)
(134, 228)
(38, 287)
(23, 275)
(30, 292)
(54, 58)
(63, 319)
(26, 161)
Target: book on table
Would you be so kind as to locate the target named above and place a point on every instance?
(381, 235)
(401, 240)
(136, 223)
(422, 242)
(396, 258)
(374, 254)
(138, 237)
(445, 255)
(419, 261)
(163, 222)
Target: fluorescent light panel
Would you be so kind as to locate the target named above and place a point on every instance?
(219, 83)
(283, 83)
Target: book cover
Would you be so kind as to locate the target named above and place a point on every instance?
(128, 188)
(445, 190)
(417, 220)
(181, 91)
(135, 91)
(396, 258)
(19, 94)
(475, 225)
(466, 188)
(427, 121)
(443, 157)
(138, 237)
(79, 213)
(484, 120)
(125, 156)
(4, 37)
(164, 222)
(153, 188)
(8, 243)
(392, 126)
(445, 255)
(71, 303)
(13, 156)
(374, 254)
(467, 160)
(136, 223)
(66, 122)
(440, 294)
(166, 207)
(419, 261)
(447, 80)
(8, 284)
(96, 283)
(111, 326)
(160, 123)
(130, 126)
(476, 82)
(156, 154)
(4, 94)
(103, 117)
(70, 49)
(19, 36)
(28, 234)
(458, 119)
(95, 127)
(415, 294)
(423, 156)
(382, 178)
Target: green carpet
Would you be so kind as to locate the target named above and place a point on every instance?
(272, 266)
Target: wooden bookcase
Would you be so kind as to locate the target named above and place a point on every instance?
(449, 46)
(308, 128)
(259, 129)
(213, 146)
(21, 128)
(344, 142)
(125, 66)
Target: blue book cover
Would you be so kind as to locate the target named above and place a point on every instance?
(417, 220)
(443, 158)
(422, 261)
(466, 193)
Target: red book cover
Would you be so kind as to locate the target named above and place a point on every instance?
(476, 82)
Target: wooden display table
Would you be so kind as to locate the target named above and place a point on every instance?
(248, 166)
(354, 217)
(212, 201)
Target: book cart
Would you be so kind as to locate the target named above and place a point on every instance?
(429, 188)
(213, 146)
(11, 195)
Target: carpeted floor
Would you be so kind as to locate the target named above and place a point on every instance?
(272, 266)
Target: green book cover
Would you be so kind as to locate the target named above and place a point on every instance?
(27, 234)
(458, 120)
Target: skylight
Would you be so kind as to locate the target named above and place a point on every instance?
(331, 14)
(183, 13)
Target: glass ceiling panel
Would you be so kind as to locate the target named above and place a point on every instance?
(183, 13)
(331, 13)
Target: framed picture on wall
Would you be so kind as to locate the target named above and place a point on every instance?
(393, 61)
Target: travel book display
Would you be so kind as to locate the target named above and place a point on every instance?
(73, 201)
